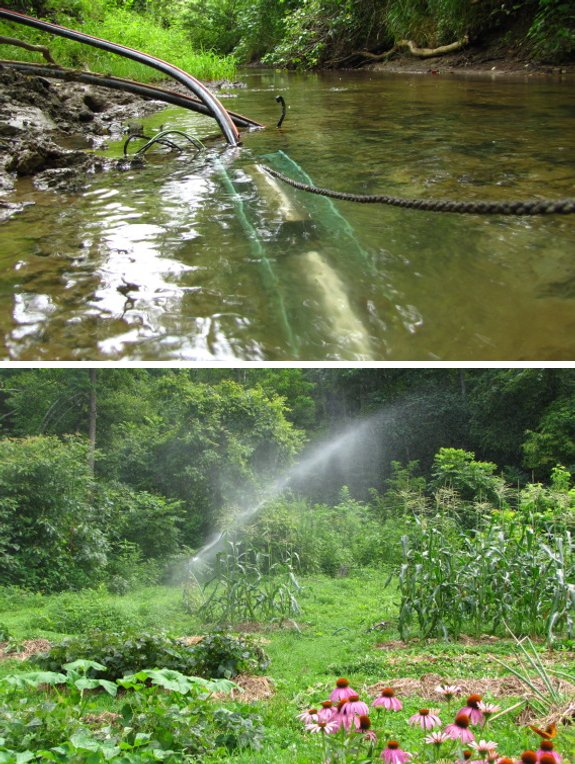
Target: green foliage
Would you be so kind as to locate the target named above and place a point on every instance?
(512, 572)
(245, 585)
(5, 634)
(224, 655)
(472, 481)
(49, 536)
(120, 653)
(165, 717)
(552, 32)
(119, 23)
(71, 614)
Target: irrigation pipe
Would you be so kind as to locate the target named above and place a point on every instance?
(269, 277)
(220, 114)
(513, 207)
(130, 86)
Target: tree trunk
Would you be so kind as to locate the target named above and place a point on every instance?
(92, 375)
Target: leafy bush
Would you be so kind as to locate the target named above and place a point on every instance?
(222, 655)
(120, 652)
(49, 535)
(124, 653)
(84, 613)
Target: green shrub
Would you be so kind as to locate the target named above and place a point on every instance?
(124, 653)
(223, 655)
(83, 613)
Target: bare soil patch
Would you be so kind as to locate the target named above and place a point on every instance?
(497, 687)
(29, 647)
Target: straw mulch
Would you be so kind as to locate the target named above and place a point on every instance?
(251, 688)
(30, 647)
(424, 687)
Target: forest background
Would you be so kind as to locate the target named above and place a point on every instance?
(297, 33)
(112, 476)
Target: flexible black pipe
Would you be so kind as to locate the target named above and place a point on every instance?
(222, 117)
(118, 83)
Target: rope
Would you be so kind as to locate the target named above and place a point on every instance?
(517, 207)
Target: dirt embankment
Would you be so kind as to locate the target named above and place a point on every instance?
(46, 126)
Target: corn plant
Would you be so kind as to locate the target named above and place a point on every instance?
(507, 572)
(245, 585)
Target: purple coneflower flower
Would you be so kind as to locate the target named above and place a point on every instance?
(436, 738)
(529, 757)
(393, 754)
(488, 709)
(459, 729)
(365, 728)
(472, 710)
(448, 691)
(388, 700)
(484, 747)
(546, 752)
(326, 712)
(325, 727)
(342, 691)
(309, 716)
(355, 706)
(467, 758)
(426, 719)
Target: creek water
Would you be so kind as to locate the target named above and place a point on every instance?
(201, 258)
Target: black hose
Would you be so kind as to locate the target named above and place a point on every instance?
(130, 86)
(220, 114)
(280, 99)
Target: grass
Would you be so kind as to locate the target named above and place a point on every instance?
(334, 637)
(125, 28)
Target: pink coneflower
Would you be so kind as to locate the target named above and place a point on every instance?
(325, 727)
(546, 750)
(309, 716)
(436, 738)
(448, 691)
(505, 760)
(342, 691)
(388, 700)
(529, 757)
(488, 709)
(459, 730)
(355, 706)
(472, 710)
(484, 747)
(393, 754)
(467, 758)
(426, 719)
(326, 712)
(365, 728)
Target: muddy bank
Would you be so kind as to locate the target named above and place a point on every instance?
(476, 61)
(48, 127)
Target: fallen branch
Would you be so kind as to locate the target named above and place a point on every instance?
(28, 46)
(415, 51)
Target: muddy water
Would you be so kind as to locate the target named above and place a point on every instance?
(200, 258)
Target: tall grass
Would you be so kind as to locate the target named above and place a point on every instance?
(512, 573)
(124, 27)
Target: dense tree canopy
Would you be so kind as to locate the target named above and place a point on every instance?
(134, 464)
(310, 33)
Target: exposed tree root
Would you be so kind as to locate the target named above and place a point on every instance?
(28, 46)
(414, 50)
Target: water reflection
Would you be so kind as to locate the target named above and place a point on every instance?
(204, 259)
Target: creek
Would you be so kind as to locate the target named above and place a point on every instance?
(201, 258)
